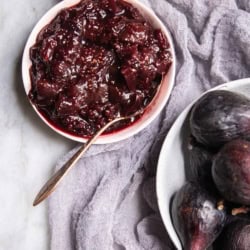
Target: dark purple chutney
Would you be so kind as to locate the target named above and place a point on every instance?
(95, 61)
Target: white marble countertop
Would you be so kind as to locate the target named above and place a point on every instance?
(28, 149)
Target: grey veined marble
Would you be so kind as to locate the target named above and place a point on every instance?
(28, 148)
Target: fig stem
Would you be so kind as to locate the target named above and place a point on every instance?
(220, 205)
(240, 210)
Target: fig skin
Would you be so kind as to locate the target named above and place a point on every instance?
(231, 171)
(200, 161)
(196, 218)
(235, 236)
(219, 117)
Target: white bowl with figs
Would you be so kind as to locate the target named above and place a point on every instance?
(203, 175)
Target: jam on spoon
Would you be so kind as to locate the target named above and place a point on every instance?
(96, 61)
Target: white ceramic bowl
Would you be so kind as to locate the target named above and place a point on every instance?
(149, 115)
(170, 171)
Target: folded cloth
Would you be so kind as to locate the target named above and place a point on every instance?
(108, 200)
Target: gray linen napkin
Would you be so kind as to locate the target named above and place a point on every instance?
(108, 200)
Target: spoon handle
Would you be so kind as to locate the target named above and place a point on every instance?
(52, 183)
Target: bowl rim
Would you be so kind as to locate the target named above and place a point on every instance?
(163, 203)
(150, 114)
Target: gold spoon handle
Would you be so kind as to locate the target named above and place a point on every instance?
(52, 183)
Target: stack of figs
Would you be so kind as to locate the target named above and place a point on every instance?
(213, 207)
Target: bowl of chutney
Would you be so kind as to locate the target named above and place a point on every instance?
(88, 62)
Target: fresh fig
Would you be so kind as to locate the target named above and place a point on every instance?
(231, 171)
(235, 236)
(196, 218)
(219, 117)
(200, 161)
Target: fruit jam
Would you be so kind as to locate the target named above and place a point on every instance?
(95, 61)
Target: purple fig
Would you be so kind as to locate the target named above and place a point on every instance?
(200, 161)
(231, 171)
(196, 217)
(219, 117)
(235, 236)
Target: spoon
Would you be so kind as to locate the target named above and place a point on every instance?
(53, 182)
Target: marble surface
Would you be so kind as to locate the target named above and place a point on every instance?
(28, 148)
